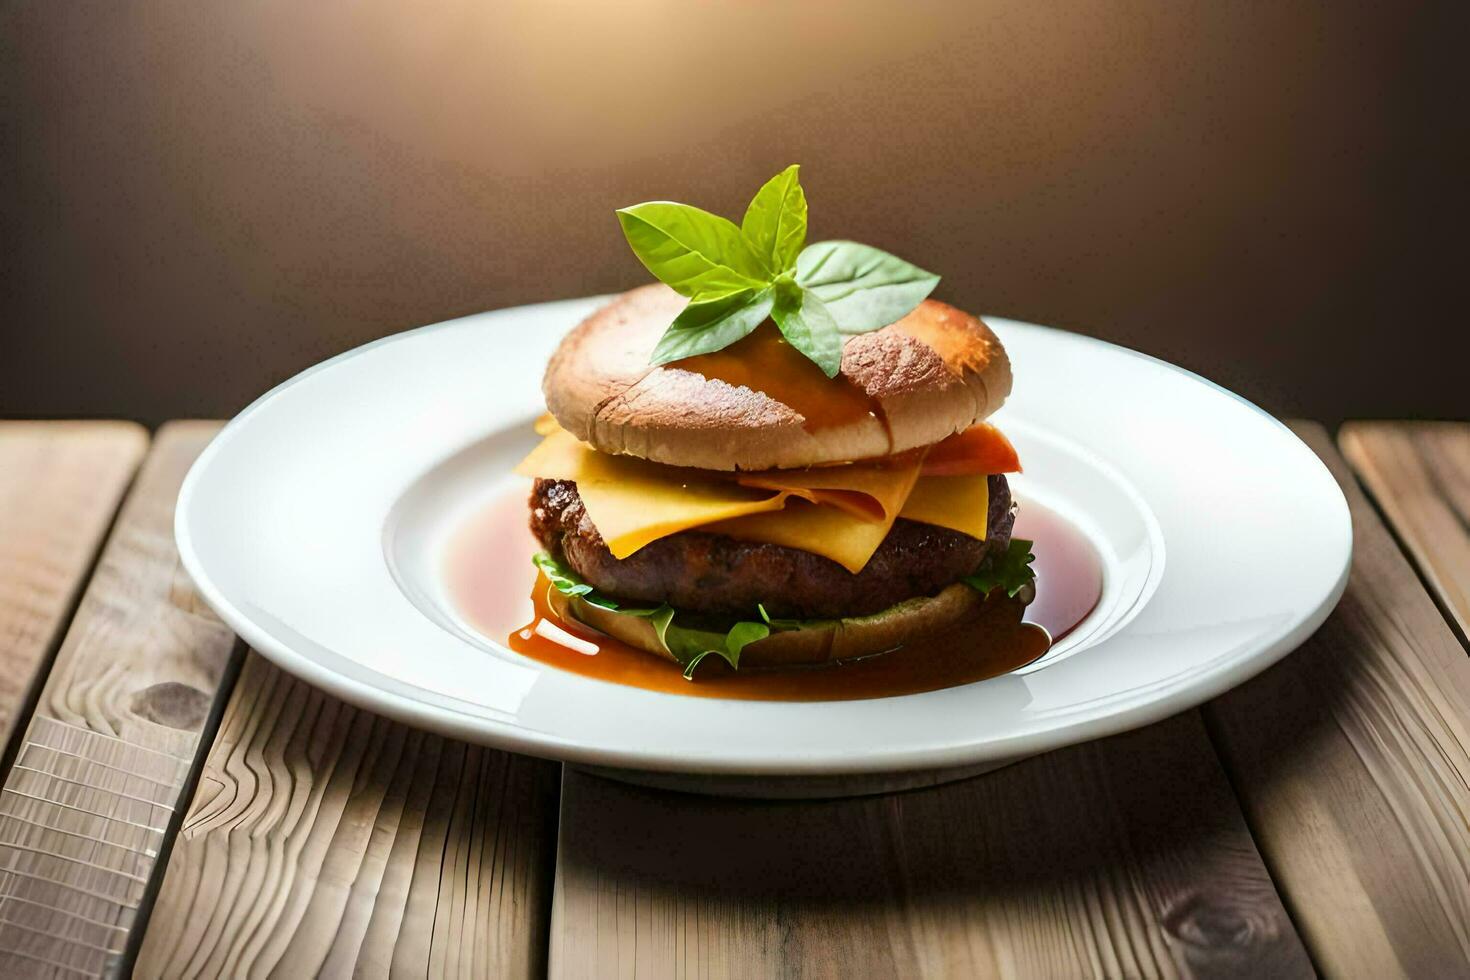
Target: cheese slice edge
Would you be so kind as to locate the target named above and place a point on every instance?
(840, 512)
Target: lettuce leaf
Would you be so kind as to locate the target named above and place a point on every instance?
(568, 582)
(1011, 571)
(688, 645)
(785, 625)
(738, 637)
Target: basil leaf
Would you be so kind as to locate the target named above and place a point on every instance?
(691, 250)
(1010, 571)
(809, 327)
(709, 324)
(864, 288)
(775, 221)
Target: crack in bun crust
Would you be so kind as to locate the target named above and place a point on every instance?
(932, 374)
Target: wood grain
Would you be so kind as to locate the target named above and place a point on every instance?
(1124, 858)
(1352, 760)
(1419, 472)
(326, 841)
(60, 483)
(98, 774)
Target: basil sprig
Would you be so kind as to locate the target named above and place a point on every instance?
(737, 277)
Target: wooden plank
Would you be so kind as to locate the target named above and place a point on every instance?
(60, 483)
(1352, 760)
(100, 769)
(1125, 857)
(1419, 472)
(324, 840)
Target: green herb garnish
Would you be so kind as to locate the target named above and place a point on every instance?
(1010, 571)
(567, 581)
(712, 644)
(686, 644)
(689, 644)
(737, 277)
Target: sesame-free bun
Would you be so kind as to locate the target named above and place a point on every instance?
(932, 374)
(843, 639)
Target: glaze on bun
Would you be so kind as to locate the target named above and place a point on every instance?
(743, 504)
(935, 372)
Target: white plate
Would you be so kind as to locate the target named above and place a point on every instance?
(316, 525)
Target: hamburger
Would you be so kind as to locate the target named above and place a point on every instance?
(768, 497)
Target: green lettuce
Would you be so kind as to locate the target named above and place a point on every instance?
(568, 582)
(687, 644)
(737, 277)
(1011, 571)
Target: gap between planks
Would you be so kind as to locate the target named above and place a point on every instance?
(1123, 857)
(60, 483)
(1419, 474)
(327, 841)
(1351, 759)
(105, 758)
(1280, 803)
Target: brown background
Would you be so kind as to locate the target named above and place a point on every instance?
(201, 199)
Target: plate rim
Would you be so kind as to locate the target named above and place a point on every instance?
(1140, 708)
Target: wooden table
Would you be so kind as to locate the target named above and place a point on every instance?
(176, 806)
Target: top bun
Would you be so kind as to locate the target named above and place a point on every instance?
(935, 372)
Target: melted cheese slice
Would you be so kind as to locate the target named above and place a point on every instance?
(872, 491)
(840, 512)
(633, 501)
(961, 503)
(819, 528)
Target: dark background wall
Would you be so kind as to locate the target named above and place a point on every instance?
(201, 199)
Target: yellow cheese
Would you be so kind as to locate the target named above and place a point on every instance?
(819, 528)
(961, 503)
(633, 501)
(840, 512)
(958, 502)
(871, 491)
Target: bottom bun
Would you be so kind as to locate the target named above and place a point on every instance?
(823, 642)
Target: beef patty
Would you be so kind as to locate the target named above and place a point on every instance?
(714, 573)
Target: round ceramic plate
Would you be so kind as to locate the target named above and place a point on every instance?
(318, 521)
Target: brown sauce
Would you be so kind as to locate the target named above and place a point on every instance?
(489, 572)
(945, 659)
(1068, 570)
(763, 361)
